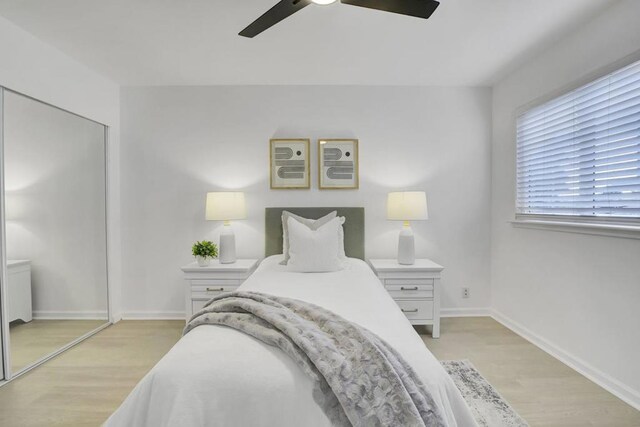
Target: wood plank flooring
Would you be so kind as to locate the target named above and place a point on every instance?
(84, 385)
(33, 340)
(544, 391)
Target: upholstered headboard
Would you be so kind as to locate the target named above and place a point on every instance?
(353, 228)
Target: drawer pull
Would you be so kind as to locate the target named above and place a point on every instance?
(409, 311)
(214, 289)
(408, 289)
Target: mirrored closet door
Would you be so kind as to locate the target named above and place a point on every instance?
(55, 229)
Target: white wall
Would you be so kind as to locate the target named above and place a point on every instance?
(179, 143)
(31, 67)
(54, 175)
(576, 294)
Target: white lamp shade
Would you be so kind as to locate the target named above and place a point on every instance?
(225, 206)
(407, 206)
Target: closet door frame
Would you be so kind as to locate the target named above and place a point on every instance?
(4, 324)
(6, 375)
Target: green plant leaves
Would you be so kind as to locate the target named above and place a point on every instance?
(205, 249)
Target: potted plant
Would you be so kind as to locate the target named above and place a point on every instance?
(204, 252)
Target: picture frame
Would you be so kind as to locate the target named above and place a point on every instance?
(338, 164)
(289, 164)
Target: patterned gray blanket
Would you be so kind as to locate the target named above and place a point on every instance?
(359, 379)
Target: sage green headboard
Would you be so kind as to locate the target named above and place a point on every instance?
(353, 228)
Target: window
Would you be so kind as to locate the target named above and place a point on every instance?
(579, 155)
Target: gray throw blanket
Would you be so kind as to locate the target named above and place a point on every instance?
(360, 380)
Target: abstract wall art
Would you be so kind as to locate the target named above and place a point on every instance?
(289, 160)
(338, 164)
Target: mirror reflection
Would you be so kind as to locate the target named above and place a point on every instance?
(55, 204)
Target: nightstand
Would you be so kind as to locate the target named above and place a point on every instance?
(19, 290)
(415, 288)
(204, 283)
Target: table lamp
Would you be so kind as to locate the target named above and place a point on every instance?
(407, 206)
(226, 206)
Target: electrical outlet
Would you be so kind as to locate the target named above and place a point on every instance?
(465, 292)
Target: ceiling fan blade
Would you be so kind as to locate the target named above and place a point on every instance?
(277, 13)
(417, 8)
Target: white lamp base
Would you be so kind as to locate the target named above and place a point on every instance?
(406, 246)
(227, 245)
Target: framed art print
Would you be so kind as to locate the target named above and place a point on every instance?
(289, 159)
(338, 164)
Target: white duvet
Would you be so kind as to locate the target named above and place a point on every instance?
(217, 376)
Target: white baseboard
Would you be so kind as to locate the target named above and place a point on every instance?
(465, 312)
(615, 387)
(70, 315)
(153, 315)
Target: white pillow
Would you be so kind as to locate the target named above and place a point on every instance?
(314, 251)
(341, 254)
(311, 223)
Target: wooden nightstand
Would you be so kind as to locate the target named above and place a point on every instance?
(204, 283)
(415, 288)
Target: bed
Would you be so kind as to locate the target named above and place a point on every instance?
(219, 376)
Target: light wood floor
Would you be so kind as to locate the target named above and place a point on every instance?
(83, 386)
(544, 391)
(33, 340)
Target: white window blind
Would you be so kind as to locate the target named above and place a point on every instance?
(579, 154)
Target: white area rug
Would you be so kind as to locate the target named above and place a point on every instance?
(488, 407)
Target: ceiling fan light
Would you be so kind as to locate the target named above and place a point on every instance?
(323, 2)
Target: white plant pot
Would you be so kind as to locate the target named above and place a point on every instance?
(202, 261)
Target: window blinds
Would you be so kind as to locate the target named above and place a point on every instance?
(579, 154)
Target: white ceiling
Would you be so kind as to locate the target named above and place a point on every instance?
(195, 42)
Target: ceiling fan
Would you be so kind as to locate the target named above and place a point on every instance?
(286, 8)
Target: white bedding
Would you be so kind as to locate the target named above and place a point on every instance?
(217, 376)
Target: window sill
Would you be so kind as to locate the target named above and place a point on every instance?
(596, 229)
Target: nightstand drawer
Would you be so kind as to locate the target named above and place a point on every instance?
(204, 283)
(416, 309)
(411, 275)
(416, 288)
(196, 283)
(410, 291)
(211, 291)
(409, 282)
